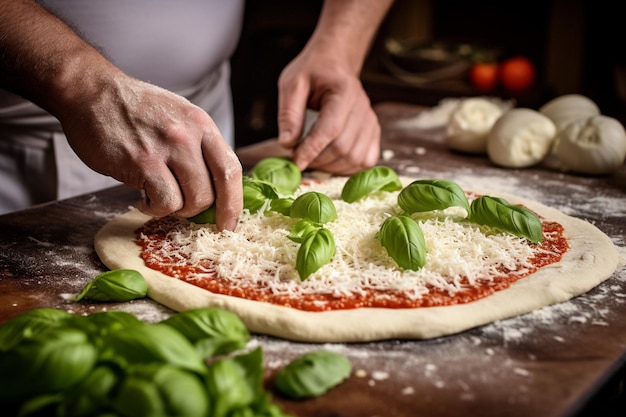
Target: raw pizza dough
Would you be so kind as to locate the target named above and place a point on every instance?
(591, 259)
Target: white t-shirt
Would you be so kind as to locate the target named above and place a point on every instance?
(183, 46)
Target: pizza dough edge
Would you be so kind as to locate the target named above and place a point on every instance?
(591, 259)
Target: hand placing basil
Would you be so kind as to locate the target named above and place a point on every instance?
(429, 195)
(116, 285)
(404, 241)
(312, 374)
(314, 206)
(316, 250)
(378, 178)
(498, 213)
(279, 171)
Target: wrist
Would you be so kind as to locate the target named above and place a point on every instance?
(82, 76)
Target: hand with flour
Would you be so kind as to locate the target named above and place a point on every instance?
(142, 135)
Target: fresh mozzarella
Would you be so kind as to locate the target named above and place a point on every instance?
(520, 138)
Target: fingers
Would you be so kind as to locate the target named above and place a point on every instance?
(227, 175)
(194, 169)
(344, 140)
(160, 194)
(292, 103)
(329, 124)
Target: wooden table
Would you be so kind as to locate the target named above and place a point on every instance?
(552, 362)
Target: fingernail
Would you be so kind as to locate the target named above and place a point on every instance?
(231, 224)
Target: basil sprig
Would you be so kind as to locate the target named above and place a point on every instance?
(404, 241)
(314, 206)
(301, 229)
(361, 184)
(256, 193)
(316, 250)
(500, 214)
(312, 374)
(429, 195)
(279, 171)
(282, 205)
(115, 285)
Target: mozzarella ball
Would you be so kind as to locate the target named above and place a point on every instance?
(520, 138)
(469, 124)
(568, 108)
(595, 145)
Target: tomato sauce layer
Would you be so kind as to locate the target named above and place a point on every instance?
(152, 236)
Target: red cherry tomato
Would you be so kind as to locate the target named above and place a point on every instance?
(517, 74)
(484, 75)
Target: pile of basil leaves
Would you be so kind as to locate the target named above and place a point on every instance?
(109, 363)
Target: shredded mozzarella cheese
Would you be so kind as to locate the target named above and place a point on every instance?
(259, 252)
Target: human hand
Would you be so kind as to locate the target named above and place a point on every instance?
(158, 142)
(346, 136)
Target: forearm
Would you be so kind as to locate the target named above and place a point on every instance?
(44, 60)
(346, 29)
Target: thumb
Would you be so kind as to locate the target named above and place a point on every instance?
(292, 103)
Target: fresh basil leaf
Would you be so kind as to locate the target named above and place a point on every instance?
(279, 171)
(404, 241)
(361, 184)
(314, 206)
(430, 195)
(262, 407)
(212, 330)
(159, 389)
(41, 405)
(29, 324)
(301, 229)
(312, 374)
(316, 250)
(115, 285)
(229, 387)
(498, 213)
(92, 394)
(252, 365)
(152, 343)
(282, 205)
(50, 361)
(205, 217)
(256, 193)
(112, 321)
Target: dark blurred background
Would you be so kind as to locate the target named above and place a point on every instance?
(575, 45)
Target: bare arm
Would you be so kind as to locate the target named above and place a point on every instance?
(147, 137)
(325, 77)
